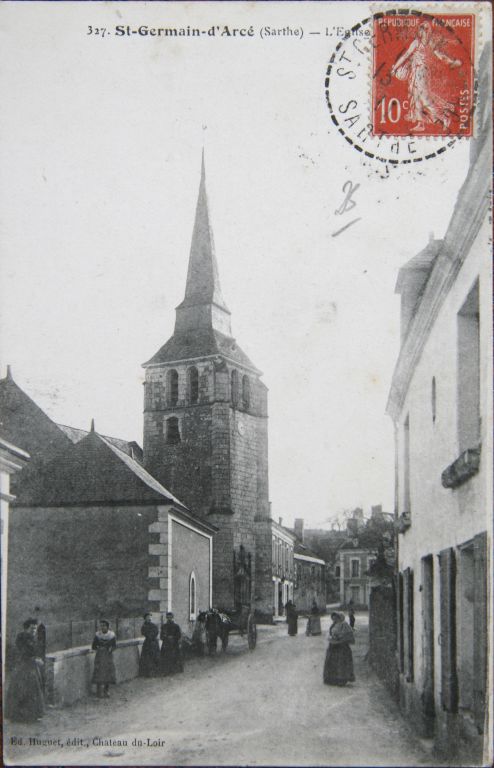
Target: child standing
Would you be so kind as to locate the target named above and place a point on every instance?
(104, 644)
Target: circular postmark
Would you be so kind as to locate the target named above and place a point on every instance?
(400, 85)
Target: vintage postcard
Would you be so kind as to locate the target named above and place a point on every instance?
(246, 383)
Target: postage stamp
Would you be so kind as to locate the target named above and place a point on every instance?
(423, 74)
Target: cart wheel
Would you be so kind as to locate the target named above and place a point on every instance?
(251, 632)
(224, 642)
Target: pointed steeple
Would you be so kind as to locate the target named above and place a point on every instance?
(203, 305)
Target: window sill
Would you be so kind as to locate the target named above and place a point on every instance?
(466, 466)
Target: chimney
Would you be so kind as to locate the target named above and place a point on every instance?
(352, 526)
(299, 528)
(376, 510)
(280, 521)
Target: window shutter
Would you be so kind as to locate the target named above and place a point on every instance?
(449, 677)
(410, 625)
(480, 629)
(400, 623)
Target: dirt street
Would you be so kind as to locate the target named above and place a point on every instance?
(267, 707)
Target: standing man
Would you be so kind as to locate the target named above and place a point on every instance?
(171, 655)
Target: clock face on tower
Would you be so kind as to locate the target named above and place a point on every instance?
(241, 427)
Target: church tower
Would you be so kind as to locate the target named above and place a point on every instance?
(205, 422)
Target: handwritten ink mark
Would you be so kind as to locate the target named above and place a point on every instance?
(349, 189)
(339, 231)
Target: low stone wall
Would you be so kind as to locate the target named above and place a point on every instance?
(68, 673)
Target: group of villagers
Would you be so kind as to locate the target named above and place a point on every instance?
(153, 662)
(338, 664)
(25, 700)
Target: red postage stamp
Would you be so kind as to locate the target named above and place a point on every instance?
(423, 74)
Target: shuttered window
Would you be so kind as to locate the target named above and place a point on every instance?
(480, 630)
(408, 624)
(401, 654)
(449, 674)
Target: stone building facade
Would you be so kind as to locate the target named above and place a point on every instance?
(441, 405)
(92, 534)
(310, 581)
(283, 567)
(205, 427)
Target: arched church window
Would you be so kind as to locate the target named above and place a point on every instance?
(246, 392)
(192, 597)
(173, 387)
(172, 430)
(193, 376)
(234, 386)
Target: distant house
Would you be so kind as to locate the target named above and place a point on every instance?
(93, 534)
(358, 554)
(282, 541)
(310, 574)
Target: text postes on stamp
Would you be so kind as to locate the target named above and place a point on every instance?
(423, 74)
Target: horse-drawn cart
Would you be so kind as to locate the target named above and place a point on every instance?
(220, 625)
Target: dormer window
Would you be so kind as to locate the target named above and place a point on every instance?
(193, 385)
(173, 387)
(246, 392)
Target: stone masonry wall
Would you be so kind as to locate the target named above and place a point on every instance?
(219, 469)
(78, 563)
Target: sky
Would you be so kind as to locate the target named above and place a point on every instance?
(100, 149)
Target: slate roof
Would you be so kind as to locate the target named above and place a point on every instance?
(197, 343)
(203, 283)
(24, 424)
(93, 471)
(301, 549)
(130, 447)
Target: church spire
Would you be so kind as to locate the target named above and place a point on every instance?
(203, 304)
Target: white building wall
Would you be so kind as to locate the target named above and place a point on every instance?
(442, 517)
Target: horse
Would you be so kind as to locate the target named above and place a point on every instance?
(218, 625)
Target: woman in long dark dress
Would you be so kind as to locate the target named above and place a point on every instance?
(314, 621)
(338, 665)
(171, 653)
(104, 644)
(149, 662)
(291, 618)
(25, 700)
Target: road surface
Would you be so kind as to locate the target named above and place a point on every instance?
(267, 707)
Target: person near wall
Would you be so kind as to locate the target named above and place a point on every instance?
(338, 664)
(25, 699)
(199, 635)
(149, 661)
(104, 644)
(314, 621)
(351, 614)
(171, 654)
(291, 618)
(41, 641)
